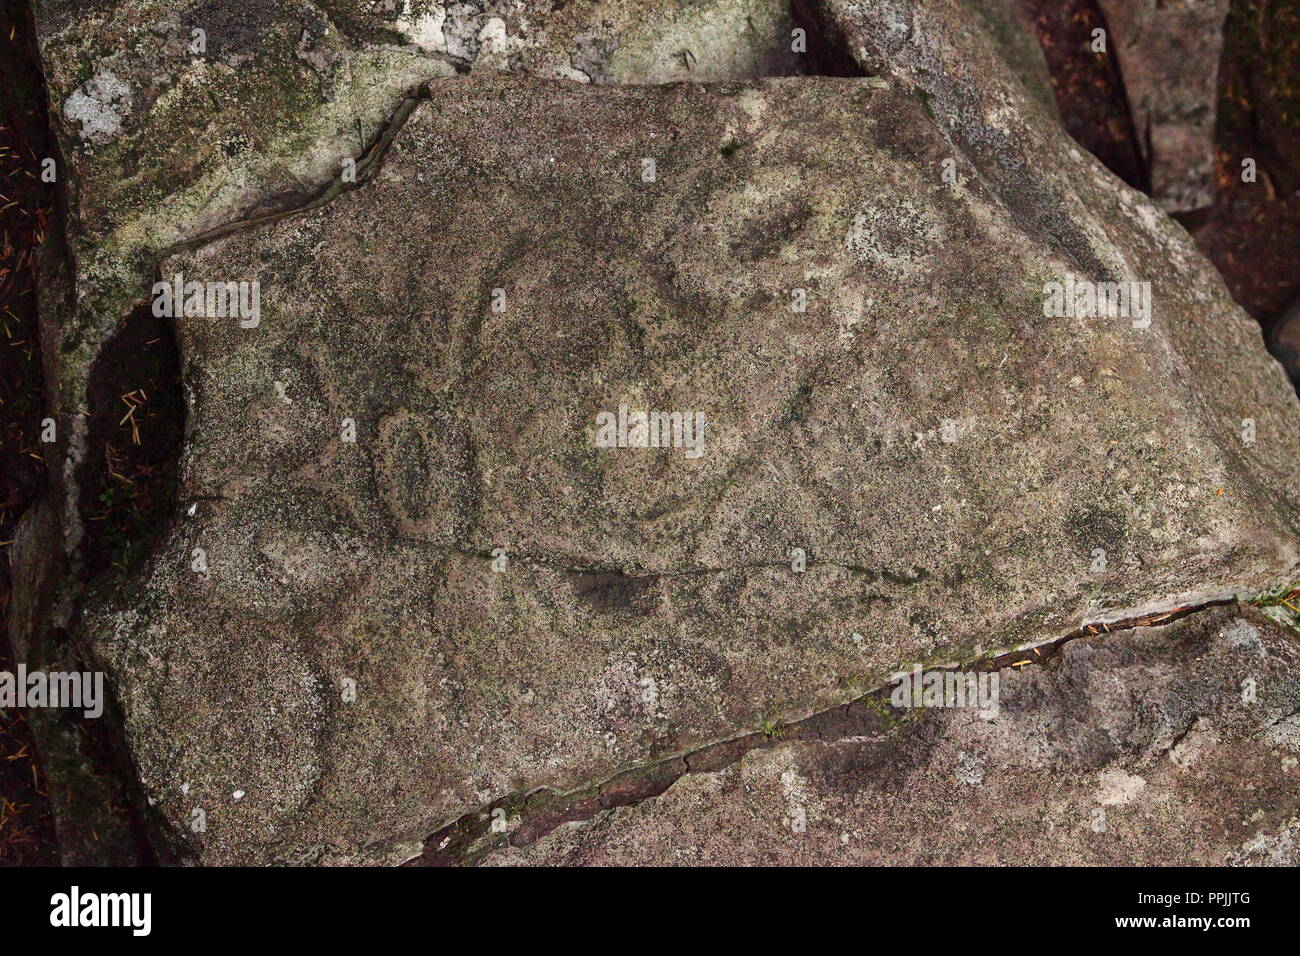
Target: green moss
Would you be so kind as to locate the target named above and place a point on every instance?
(924, 97)
(1282, 604)
(1278, 596)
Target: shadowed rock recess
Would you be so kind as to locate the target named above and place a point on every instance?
(408, 601)
(1170, 54)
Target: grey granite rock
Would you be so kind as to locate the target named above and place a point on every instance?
(963, 473)
(408, 580)
(1169, 56)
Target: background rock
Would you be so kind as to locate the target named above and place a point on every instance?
(1169, 54)
(613, 41)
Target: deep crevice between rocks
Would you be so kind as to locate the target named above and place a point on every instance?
(828, 50)
(89, 781)
(127, 484)
(480, 832)
(27, 825)
(1090, 92)
(102, 746)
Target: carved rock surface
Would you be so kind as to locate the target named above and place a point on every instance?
(962, 472)
(177, 118)
(407, 582)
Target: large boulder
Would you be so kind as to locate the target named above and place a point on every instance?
(342, 645)
(415, 574)
(180, 120)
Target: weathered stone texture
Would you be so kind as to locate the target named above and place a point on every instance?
(648, 606)
(1169, 54)
(844, 276)
(1143, 747)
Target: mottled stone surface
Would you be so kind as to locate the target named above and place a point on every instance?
(647, 605)
(404, 580)
(188, 114)
(176, 117)
(1156, 746)
(1011, 30)
(179, 117)
(610, 41)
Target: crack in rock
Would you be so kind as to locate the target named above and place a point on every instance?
(521, 819)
